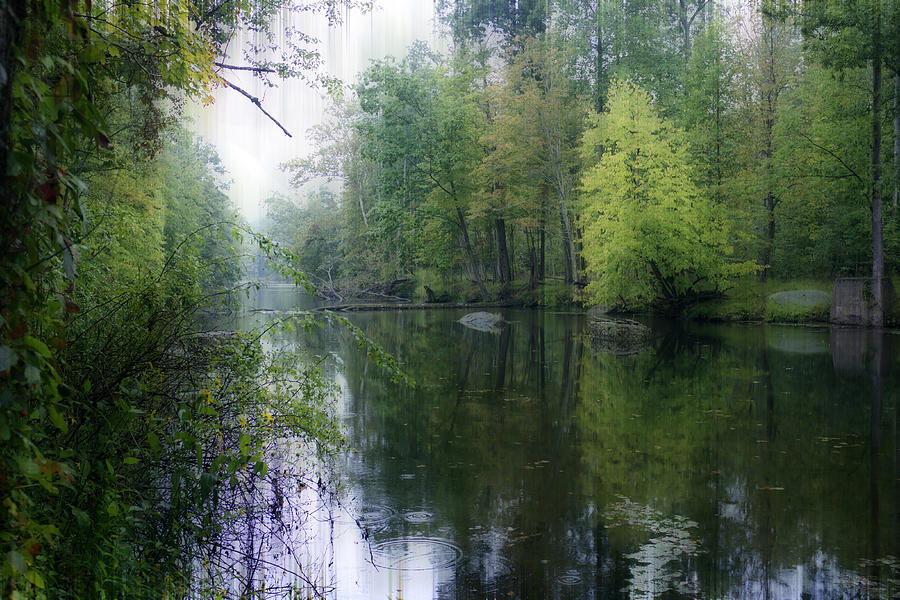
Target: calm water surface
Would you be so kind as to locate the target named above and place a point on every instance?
(732, 461)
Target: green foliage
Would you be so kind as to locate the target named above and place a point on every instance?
(114, 238)
(469, 19)
(650, 235)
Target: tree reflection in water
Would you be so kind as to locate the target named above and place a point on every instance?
(766, 457)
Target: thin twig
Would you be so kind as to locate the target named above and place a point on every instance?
(258, 104)
(239, 68)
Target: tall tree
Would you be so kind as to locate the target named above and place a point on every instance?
(853, 35)
(542, 118)
(769, 62)
(468, 19)
(650, 235)
(634, 39)
(707, 107)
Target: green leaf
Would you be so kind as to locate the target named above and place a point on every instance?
(32, 375)
(37, 345)
(131, 460)
(57, 419)
(8, 358)
(81, 517)
(16, 561)
(35, 579)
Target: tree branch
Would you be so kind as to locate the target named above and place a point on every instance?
(239, 68)
(833, 155)
(258, 104)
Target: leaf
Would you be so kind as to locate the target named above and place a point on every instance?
(81, 517)
(8, 358)
(35, 578)
(131, 460)
(57, 419)
(38, 346)
(16, 561)
(32, 375)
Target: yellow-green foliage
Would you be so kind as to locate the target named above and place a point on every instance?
(649, 233)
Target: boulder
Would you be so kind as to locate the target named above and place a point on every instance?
(618, 336)
(483, 321)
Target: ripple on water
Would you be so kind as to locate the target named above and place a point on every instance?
(416, 554)
(375, 515)
(418, 516)
(570, 577)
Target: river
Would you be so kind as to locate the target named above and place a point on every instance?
(725, 461)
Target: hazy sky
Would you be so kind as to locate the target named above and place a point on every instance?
(251, 146)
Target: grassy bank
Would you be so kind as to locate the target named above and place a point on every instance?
(775, 301)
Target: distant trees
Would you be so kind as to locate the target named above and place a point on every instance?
(857, 35)
(473, 173)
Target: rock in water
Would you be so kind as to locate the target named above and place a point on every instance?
(617, 336)
(483, 321)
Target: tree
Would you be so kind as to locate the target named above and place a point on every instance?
(88, 91)
(536, 131)
(846, 36)
(707, 107)
(770, 61)
(650, 235)
(469, 19)
(634, 39)
(421, 130)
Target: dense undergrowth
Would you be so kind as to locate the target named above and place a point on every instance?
(135, 450)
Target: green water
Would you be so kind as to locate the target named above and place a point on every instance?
(722, 462)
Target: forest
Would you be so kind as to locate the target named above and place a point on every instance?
(675, 157)
(645, 155)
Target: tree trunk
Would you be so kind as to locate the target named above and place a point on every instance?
(770, 108)
(896, 140)
(685, 25)
(11, 13)
(532, 256)
(542, 271)
(475, 271)
(502, 251)
(598, 61)
(568, 243)
(770, 238)
(877, 239)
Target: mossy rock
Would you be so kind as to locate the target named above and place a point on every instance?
(618, 336)
(796, 306)
(483, 321)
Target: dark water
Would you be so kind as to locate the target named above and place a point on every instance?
(722, 462)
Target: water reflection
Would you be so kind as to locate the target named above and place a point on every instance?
(752, 462)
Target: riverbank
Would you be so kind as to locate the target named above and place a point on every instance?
(798, 301)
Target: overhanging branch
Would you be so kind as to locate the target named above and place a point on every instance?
(258, 104)
(240, 68)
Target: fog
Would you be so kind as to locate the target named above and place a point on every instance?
(250, 145)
